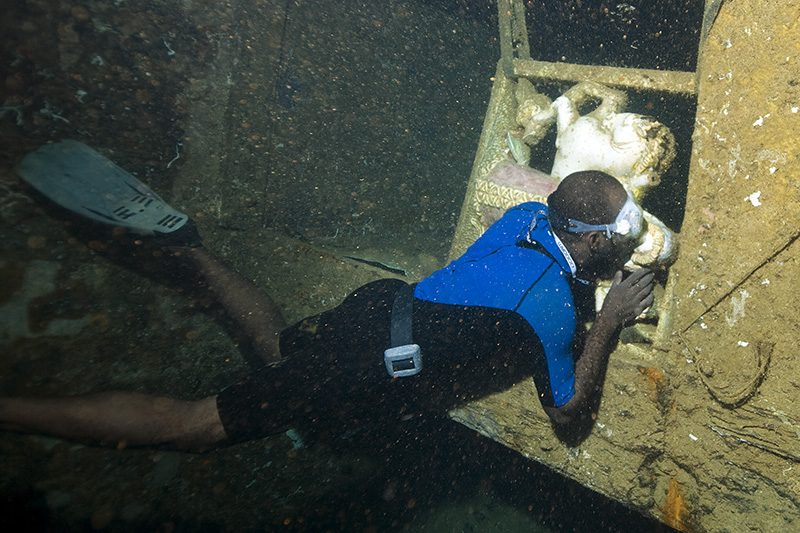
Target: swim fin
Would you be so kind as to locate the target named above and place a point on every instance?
(82, 180)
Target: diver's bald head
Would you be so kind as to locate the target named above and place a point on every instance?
(591, 196)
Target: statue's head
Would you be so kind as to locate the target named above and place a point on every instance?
(645, 135)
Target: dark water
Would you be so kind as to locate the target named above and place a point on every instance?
(647, 35)
(341, 124)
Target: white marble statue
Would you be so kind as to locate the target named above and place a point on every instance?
(634, 148)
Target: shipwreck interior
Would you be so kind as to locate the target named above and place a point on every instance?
(323, 145)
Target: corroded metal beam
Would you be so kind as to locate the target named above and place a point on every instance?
(669, 81)
(513, 33)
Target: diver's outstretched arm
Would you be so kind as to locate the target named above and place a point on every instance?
(118, 419)
(630, 297)
(252, 309)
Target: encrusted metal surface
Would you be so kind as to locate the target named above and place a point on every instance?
(701, 431)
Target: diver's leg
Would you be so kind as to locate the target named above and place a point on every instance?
(251, 308)
(118, 419)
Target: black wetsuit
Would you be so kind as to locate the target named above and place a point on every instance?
(333, 378)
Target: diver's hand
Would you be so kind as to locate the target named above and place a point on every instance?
(628, 298)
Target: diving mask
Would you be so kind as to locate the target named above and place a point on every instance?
(629, 222)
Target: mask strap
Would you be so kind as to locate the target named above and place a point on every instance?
(571, 262)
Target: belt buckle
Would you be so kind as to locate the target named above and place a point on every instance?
(403, 361)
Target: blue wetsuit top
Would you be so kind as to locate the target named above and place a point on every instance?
(504, 269)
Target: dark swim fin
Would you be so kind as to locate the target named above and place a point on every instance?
(82, 180)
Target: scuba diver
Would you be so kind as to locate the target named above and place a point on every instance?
(505, 311)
